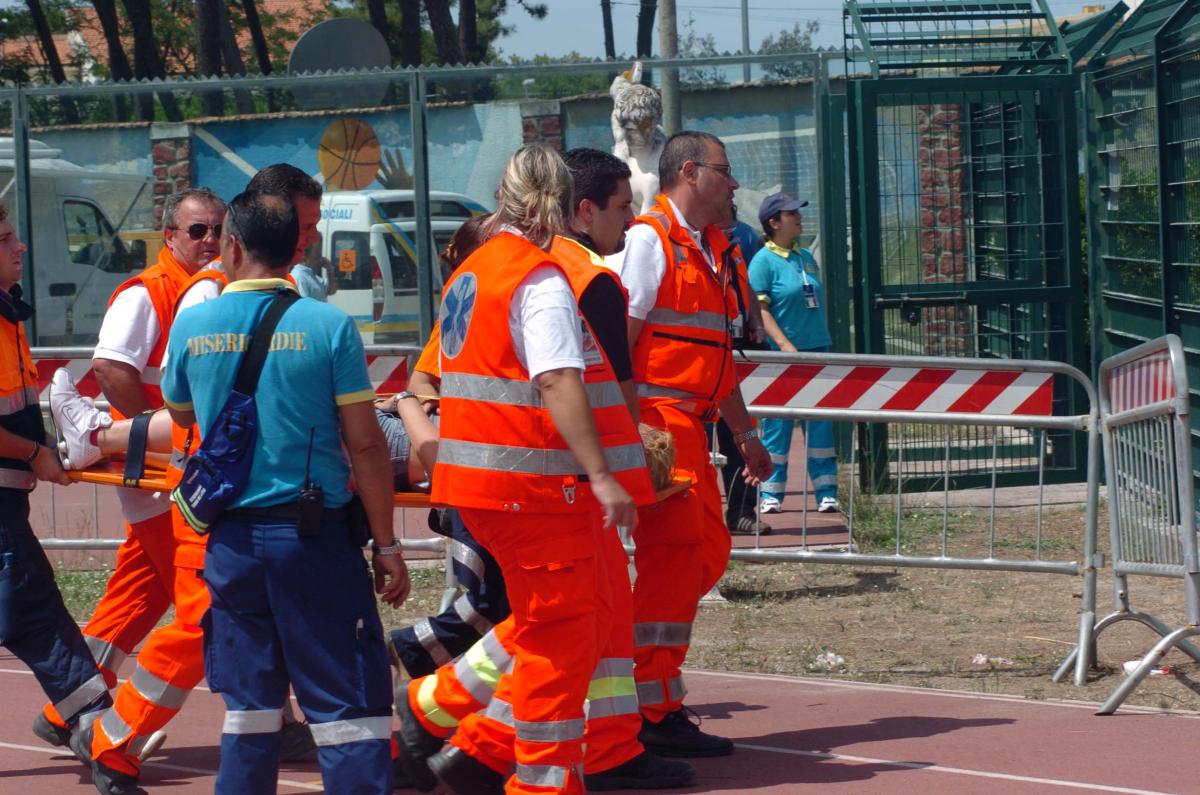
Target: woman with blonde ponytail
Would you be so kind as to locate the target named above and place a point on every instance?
(534, 197)
(521, 456)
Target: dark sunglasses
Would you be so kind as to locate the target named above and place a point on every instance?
(198, 231)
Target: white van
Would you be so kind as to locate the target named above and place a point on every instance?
(78, 256)
(368, 237)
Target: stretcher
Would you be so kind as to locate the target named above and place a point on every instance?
(112, 473)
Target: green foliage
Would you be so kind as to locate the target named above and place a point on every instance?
(798, 39)
(693, 45)
(551, 86)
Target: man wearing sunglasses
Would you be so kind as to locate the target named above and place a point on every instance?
(146, 581)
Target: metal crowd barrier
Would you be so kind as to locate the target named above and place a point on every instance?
(1148, 467)
(941, 393)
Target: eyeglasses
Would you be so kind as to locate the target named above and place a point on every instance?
(723, 168)
(200, 231)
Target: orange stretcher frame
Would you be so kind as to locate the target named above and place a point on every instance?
(112, 473)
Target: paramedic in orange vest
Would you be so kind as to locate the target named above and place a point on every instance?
(541, 466)
(681, 301)
(431, 707)
(145, 582)
(34, 623)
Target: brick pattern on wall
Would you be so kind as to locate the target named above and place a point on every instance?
(942, 173)
(172, 163)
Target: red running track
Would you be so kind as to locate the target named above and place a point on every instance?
(794, 735)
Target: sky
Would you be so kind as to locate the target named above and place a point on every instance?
(575, 25)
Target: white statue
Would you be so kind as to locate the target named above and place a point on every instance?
(639, 136)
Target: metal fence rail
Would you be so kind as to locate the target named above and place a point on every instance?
(1148, 464)
(937, 398)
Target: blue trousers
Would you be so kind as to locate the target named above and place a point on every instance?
(299, 610)
(437, 640)
(34, 622)
(822, 460)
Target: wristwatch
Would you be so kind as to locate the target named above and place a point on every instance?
(738, 438)
(393, 548)
(405, 394)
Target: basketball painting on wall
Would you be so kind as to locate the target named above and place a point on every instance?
(349, 154)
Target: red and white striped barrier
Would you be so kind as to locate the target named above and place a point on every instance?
(1142, 382)
(875, 388)
(388, 374)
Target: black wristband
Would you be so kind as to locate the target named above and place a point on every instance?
(37, 448)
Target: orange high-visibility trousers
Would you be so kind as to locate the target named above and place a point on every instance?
(682, 550)
(561, 620)
(168, 667)
(138, 593)
(443, 699)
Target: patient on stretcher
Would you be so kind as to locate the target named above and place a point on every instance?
(87, 434)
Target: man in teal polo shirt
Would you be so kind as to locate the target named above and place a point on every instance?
(287, 607)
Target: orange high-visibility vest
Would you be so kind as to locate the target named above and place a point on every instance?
(684, 352)
(499, 449)
(164, 281)
(19, 410)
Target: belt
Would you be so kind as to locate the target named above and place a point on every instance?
(288, 512)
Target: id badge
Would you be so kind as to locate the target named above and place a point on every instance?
(810, 296)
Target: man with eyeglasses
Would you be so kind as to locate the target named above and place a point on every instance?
(681, 303)
(146, 580)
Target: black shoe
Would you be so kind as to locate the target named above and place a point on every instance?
(676, 736)
(47, 731)
(416, 745)
(296, 743)
(400, 779)
(106, 780)
(644, 771)
(745, 526)
(465, 775)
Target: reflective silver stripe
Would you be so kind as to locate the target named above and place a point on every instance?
(500, 711)
(824, 480)
(467, 557)
(157, 691)
(480, 669)
(654, 693)
(656, 391)
(514, 392)
(542, 775)
(550, 731)
(17, 401)
(708, 321)
(89, 718)
(662, 633)
(252, 721)
(613, 666)
(80, 697)
(354, 730)
(531, 460)
(430, 643)
(778, 459)
(821, 452)
(104, 653)
(114, 726)
(17, 479)
(470, 616)
(612, 707)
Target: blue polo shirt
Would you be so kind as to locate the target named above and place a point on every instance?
(778, 276)
(316, 364)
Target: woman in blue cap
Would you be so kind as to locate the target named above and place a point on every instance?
(787, 281)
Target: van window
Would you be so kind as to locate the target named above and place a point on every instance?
(350, 255)
(404, 268)
(438, 208)
(90, 237)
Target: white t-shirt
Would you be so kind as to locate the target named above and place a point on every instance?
(128, 334)
(129, 329)
(642, 264)
(543, 319)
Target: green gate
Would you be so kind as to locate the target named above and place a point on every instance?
(1142, 100)
(965, 214)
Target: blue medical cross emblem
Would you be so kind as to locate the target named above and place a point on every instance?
(455, 315)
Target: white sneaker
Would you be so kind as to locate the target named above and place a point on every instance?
(770, 505)
(144, 747)
(829, 505)
(75, 417)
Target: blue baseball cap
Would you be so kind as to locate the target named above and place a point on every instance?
(778, 203)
